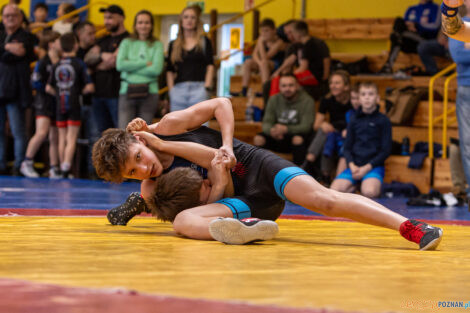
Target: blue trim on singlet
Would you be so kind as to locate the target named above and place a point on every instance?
(239, 208)
(284, 176)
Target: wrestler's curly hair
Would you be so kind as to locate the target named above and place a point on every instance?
(110, 153)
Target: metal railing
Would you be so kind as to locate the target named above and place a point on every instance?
(69, 15)
(445, 113)
(237, 16)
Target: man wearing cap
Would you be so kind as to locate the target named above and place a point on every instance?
(102, 59)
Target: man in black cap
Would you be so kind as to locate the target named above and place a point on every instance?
(102, 59)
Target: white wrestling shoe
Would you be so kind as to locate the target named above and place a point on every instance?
(237, 232)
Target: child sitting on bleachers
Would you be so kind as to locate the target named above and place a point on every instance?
(334, 145)
(367, 146)
(267, 56)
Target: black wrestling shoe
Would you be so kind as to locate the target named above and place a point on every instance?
(428, 237)
(133, 206)
(237, 232)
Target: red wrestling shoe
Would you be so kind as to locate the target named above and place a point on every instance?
(428, 237)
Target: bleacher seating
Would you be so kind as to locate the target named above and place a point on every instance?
(435, 172)
(354, 28)
(396, 165)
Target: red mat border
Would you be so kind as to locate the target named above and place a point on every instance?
(19, 296)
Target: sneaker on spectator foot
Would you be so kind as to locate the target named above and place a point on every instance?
(54, 173)
(237, 232)
(122, 214)
(428, 237)
(27, 170)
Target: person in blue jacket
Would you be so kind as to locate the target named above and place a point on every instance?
(367, 146)
(420, 22)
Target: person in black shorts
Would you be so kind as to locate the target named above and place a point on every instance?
(263, 179)
(45, 108)
(268, 55)
(68, 80)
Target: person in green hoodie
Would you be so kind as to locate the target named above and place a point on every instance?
(140, 61)
(288, 120)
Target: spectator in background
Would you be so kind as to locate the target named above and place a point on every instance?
(428, 49)
(288, 119)
(25, 21)
(66, 25)
(457, 172)
(69, 79)
(311, 57)
(314, 57)
(267, 56)
(85, 32)
(286, 32)
(355, 103)
(45, 109)
(140, 61)
(16, 53)
(40, 14)
(335, 104)
(460, 52)
(368, 144)
(421, 22)
(190, 71)
(102, 59)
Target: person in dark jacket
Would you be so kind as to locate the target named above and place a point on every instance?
(367, 146)
(16, 53)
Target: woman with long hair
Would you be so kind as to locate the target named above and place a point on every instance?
(140, 61)
(336, 103)
(190, 69)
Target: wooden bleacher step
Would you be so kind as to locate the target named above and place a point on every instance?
(396, 169)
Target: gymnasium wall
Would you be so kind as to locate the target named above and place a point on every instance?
(279, 10)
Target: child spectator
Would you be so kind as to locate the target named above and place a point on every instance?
(368, 143)
(286, 33)
(334, 145)
(69, 79)
(45, 109)
(314, 59)
(40, 16)
(267, 56)
(66, 25)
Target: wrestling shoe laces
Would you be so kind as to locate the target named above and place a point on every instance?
(238, 232)
(123, 213)
(428, 237)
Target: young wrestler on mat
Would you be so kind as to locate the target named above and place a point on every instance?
(261, 180)
(108, 165)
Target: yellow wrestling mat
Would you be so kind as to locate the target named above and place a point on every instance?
(340, 265)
